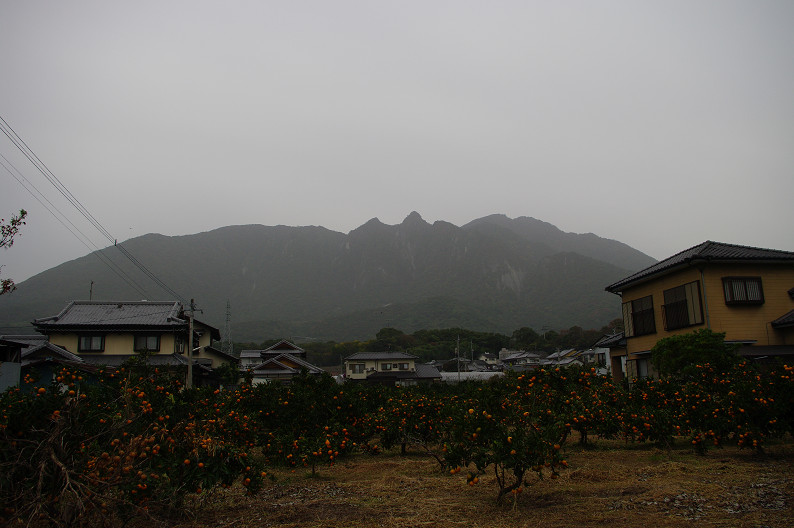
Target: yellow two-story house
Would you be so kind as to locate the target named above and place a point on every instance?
(745, 292)
(108, 333)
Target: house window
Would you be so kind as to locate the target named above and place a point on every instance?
(385, 366)
(637, 368)
(147, 343)
(682, 306)
(91, 343)
(642, 368)
(403, 366)
(357, 368)
(743, 290)
(638, 317)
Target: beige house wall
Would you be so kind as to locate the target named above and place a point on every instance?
(371, 365)
(115, 344)
(204, 341)
(739, 322)
(751, 322)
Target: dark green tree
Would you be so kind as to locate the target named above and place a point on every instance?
(7, 233)
(679, 355)
(525, 338)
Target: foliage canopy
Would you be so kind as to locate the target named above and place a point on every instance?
(7, 233)
(678, 355)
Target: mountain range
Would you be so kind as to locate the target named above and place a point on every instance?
(493, 274)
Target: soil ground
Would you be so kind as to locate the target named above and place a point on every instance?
(610, 483)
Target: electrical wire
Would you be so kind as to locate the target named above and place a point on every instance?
(63, 219)
(61, 188)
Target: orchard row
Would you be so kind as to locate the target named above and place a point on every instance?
(131, 441)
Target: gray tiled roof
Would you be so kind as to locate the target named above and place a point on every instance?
(284, 346)
(48, 349)
(706, 252)
(115, 315)
(784, 320)
(220, 352)
(427, 371)
(614, 340)
(277, 360)
(155, 360)
(30, 340)
(363, 356)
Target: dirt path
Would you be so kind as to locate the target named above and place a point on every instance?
(612, 484)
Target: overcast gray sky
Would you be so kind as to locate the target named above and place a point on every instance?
(659, 124)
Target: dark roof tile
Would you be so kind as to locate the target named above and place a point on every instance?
(784, 320)
(115, 314)
(707, 251)
(363, 356)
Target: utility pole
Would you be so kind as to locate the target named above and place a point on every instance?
(189, 381)
(457, 353)
(91, 291)
(228, 347)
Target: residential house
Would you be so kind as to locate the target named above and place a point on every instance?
(489, 358)
(562, 357)
(462, 365)
(279, 362)
(745, 292)
(110, 333)
(615, 355)
(10, 361)
(596, 357)
(396, 368)
(249, 358)
(519, 360)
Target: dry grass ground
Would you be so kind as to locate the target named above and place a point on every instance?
(612, 483)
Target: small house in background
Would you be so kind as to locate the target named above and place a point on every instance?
(745, 292)
(109, 333)
(249, 358)
(10, 361)
(389, 368)
(519, 360)
(615, 357)
(489, 358)
(279, 362)
(562, 357)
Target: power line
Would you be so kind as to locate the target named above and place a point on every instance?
(63, 219)
(45, 171)
(60, 187)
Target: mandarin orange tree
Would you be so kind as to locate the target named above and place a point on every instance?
(310, 422)
(122, 445)
(514, 426)
(741, 404)
(647, 412)
(416, 417)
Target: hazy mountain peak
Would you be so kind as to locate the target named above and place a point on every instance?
(538, 232)
(495, 273)
(414, 220)
(370, 224)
